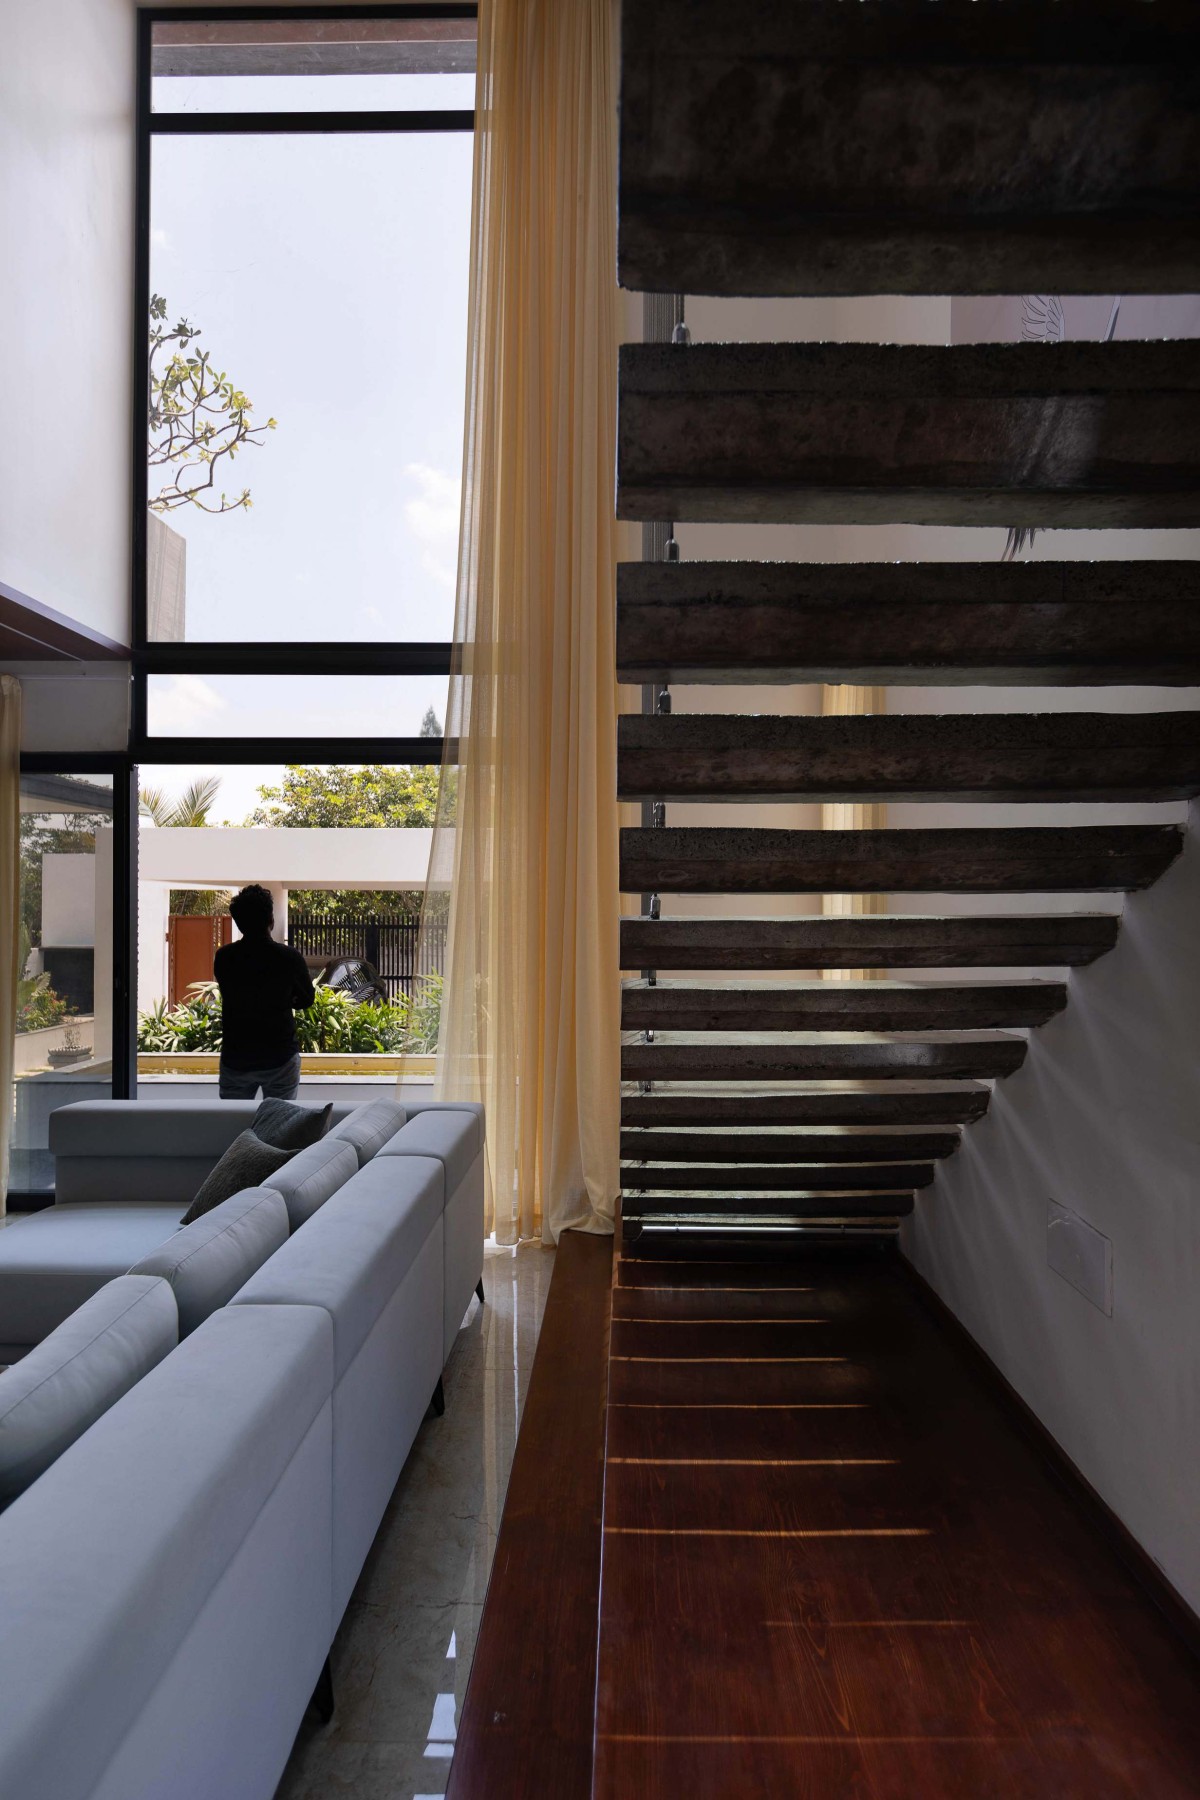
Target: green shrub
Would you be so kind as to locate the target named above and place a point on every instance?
(37, 1004)
(332, 1026)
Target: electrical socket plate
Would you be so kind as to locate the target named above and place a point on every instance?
(1081, 1255)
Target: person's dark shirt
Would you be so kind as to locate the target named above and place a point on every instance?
(262, 982)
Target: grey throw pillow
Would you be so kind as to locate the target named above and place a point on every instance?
(290, 1127)
(248, 1163)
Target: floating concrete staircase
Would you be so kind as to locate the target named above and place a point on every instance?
(890, 148)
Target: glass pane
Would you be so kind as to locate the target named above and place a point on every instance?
(304, 479)
(223, 706)
(320, 65)
(344, 853)
(64, 1001)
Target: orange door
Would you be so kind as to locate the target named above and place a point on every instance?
(192, 943)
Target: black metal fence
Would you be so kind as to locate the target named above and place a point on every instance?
(395, 947)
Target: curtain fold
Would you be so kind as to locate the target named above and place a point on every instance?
(526, 842)
(10, 905)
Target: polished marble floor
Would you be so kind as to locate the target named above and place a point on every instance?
(403, 1654)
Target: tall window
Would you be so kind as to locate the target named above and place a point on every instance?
(302, 285)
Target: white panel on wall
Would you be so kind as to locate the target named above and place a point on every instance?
(1081, 1255)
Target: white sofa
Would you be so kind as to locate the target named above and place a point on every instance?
(127, 1170)
(170, 1585)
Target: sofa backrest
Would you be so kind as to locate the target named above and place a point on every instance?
(145, 1149)
(207, 1262)
(308, 1179)
(72, 1377)
(449, 1135)
(165, 1587)
(369, 1127)
(418, 1108)
(353, 1254)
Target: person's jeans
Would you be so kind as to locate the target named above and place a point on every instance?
(281, 1083)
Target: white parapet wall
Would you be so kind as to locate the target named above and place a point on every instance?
(226, 856)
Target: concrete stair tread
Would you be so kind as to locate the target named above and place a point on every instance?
(774, 1177)
(1033, 623)
(897, 1105)
(1058, 150)
(878, 1006)
(1067, 434)
(869, 941)
(825, 1056)
(956, 756)
(701, 1206)
(1018, 859)
(721, 1145)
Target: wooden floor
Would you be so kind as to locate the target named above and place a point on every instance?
(833, 1567)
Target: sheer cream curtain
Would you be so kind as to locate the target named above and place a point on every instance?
(527, 841)
(10, 904)
(841, 815)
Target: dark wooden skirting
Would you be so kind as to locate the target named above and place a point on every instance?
(1142, 1567)
(526, 1727)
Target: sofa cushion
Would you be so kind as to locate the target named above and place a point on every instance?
(353, 1255)
(312, 1175)
(248, 1163)
(450, 1136)
(109, 1564)
(206, 1263)
(418, 1108)
(288, 1126)
(54, 1260)
(369, 1127)
(51, 1396)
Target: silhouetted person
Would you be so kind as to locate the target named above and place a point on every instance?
(262, 984)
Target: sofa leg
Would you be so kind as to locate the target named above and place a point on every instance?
(438, 1402)
(322, 1694)
(479, 1289)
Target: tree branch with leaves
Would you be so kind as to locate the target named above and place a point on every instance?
(199, 419)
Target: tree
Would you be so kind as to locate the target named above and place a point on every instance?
(197, 419)
(191, 811)
(333, 796)
(431, 725)
(328, 798)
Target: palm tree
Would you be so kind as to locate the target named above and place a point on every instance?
(191, 809)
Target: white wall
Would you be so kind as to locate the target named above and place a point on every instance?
(153, 960)
(227, 856)
(69, 900)
(1104, 1118)
(66, 226)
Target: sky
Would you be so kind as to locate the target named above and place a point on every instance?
(328, 275)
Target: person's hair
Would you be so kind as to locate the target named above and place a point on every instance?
(253, 909)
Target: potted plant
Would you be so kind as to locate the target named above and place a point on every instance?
(70, 1050)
